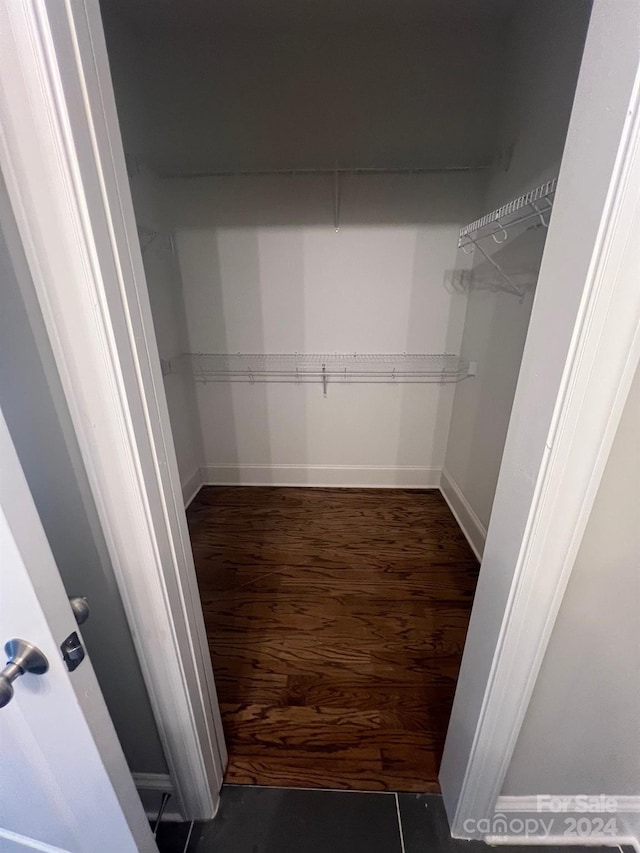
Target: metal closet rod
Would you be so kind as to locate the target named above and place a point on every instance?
(249, 173)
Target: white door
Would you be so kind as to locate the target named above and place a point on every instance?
(64, 782)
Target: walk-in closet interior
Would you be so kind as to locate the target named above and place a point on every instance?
(342, 208)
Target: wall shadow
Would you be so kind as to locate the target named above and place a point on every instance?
(495, 331)
(264, 271)
(33, 403)
(435, 324)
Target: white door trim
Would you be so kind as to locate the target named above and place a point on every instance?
(62, 158)
(574, 381)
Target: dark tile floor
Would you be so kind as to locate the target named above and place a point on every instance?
(285, 820)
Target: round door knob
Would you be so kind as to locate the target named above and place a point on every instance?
(23, 657)
(80, 607)
(6, 691)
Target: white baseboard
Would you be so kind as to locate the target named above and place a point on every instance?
(364, 476)
(523, 807)
(473, 529)
(613, 841)
(153, 782)
(191, 487)
(151, 787)
(624, 803)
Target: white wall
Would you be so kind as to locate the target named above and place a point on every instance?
(545, 47)
(406, 89)
(33, 404)
(263, 270)
(585, 706)
(167, 306)
(133, 79)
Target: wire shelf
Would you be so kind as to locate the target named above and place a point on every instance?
(543, 193)
(532, 209)
(314, 367)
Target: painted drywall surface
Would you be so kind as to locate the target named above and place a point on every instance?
(133, 81)
(544, 45)
(34, 407)
(494, 337)
(406, 94)
(585, 705)
(167, 307)
(132, 76)
(545, 48)
(598, 117)
(264, 270)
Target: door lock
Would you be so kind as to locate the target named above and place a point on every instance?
(72, 651)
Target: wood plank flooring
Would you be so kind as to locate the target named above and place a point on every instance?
(336, 620)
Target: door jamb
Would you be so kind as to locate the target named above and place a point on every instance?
(62, 158)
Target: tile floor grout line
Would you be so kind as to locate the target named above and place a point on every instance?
(298, 788)
(186, 844)
(399, 823)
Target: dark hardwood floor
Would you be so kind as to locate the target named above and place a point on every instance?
(336, 620)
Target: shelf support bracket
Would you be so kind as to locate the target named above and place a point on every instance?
(512, 287)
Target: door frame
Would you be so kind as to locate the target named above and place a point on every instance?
(63, 161)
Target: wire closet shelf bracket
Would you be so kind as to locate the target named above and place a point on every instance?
(324, 368)
(533, 207)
